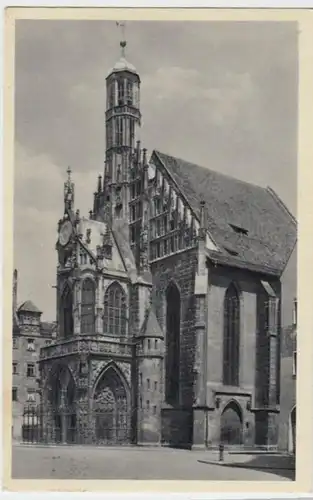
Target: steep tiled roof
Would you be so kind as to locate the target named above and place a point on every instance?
(150, 326)
(28, 306)
(250, 224)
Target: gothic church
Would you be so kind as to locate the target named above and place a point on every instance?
(168, 300)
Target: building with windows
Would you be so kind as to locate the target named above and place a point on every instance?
(287, 417)
(168, 299)
(29, 335)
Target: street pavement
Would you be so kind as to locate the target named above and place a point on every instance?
(82, 462)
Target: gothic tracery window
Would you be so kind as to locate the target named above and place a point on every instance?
(67, 310)
(231, 336)
(114, 318)
(172, 344)
(88, 307)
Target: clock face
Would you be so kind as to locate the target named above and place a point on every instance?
(65, 233)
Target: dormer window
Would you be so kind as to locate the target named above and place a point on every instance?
(239, 229)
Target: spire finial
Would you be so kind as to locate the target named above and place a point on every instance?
(69, 171)
(123, 42)
(69, 190)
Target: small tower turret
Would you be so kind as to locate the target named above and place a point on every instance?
(149, 355)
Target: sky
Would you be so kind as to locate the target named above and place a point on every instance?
(220, 94)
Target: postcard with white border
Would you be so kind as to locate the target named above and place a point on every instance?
(157, 250)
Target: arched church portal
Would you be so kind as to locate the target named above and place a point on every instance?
(110, 409)
(60, 411)
(231, 425)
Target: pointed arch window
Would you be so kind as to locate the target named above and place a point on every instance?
(88, 306)
(172, 344)
(67, 312)
(231, 336)
(114, 317)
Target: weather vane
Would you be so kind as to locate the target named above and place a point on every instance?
(122, 25)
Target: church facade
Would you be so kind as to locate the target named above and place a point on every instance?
(168, 300)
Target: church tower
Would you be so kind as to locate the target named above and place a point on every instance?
(122, 124)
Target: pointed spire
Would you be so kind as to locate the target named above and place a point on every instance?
(69, 191)
(202, 228)
(138, 152)
(99, 184)
(144, 156)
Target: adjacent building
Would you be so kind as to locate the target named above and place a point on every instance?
(287, 419)
(29, 335)
(168, 299)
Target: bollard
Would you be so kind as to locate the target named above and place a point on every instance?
(221, 452)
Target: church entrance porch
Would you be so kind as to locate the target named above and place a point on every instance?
(110, 409)
(231, 425)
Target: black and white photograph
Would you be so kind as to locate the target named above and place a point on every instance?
(154, 278)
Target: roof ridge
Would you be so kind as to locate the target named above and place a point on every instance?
(280, 202)
(227, 176)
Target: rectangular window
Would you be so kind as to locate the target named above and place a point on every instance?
(165, 247)
(112, 95)
(133, 234)
(165, 223)
(14, 368)
(31, 345)
(139, 212)
(133, 212)
(155, 386)
(294, 364)
(157, 204)
(176, 242)
(30, 370)
(133, 190)
(172, 244)
(119, 131)
(158, 250)
(31, 395)
(15, 342)
(158, 227)
(14, 393)
(132, 132)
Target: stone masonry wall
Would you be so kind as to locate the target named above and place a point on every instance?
(181, 269)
